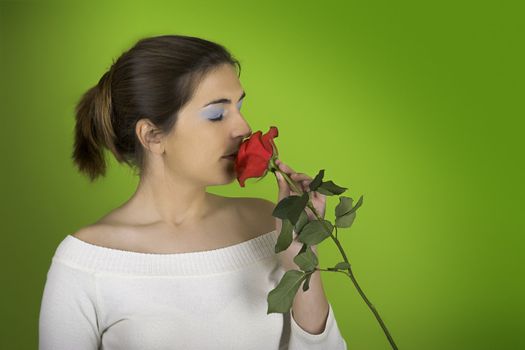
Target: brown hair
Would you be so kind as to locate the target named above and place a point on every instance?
(154, 80)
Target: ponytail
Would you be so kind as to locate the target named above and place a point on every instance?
(94, 129)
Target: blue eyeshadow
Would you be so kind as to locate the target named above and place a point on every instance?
(213, 112)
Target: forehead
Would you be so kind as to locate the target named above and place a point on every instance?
(220, 82)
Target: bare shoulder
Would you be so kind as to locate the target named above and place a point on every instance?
(259, 205)
(88, 234)
(97, 234)
(256, 213)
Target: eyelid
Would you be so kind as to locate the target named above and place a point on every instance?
(223, 112)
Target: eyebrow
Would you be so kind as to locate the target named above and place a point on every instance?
(224, 100)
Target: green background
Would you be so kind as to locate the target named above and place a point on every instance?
(417, 106)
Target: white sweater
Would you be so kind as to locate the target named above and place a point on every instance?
(103, 298)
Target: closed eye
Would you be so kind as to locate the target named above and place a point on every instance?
(217, 119)
(222, 115)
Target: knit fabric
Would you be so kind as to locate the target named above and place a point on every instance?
(109, 299)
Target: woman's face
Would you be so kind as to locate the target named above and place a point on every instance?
(196, 146)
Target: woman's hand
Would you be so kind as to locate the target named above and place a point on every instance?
(318, 201)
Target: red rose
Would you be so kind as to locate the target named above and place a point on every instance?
(255, 154)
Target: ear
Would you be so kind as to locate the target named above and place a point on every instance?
(150, 136)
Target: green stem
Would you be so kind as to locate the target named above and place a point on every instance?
(274, 167)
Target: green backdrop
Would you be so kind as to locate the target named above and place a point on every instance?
(417, 106)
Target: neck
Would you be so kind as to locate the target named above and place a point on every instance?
(176, 203)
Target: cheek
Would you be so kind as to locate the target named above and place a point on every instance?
(196, 162)
(196, 154)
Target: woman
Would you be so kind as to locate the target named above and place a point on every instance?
(175, 267)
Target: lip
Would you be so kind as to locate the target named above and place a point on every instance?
(231, 156)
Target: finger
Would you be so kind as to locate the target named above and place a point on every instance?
(283, 188)
(299, 182)
(300, 177)
(303, 180)
(281, 180)
(285, 167)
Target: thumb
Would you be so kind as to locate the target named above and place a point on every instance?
(284, 190)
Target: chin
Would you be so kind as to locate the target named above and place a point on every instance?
(225, 177)
(223, 182)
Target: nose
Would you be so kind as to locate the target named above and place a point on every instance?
(245, 130)
(247, 133)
